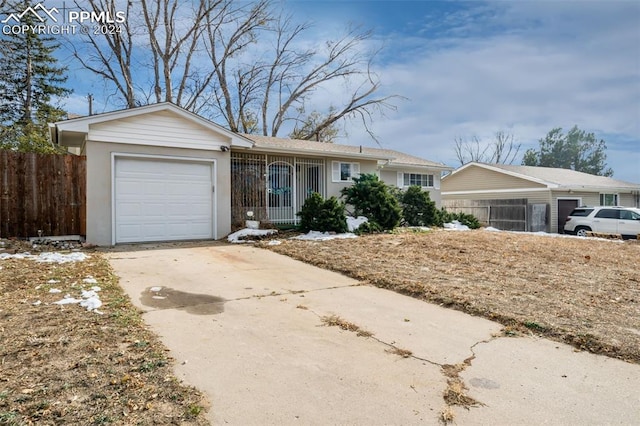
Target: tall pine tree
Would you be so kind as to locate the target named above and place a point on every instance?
(30, 82)
(575, 150)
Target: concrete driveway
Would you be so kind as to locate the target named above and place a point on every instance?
(245, 327)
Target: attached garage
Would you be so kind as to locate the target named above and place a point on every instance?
(154, 173)
(158, 199)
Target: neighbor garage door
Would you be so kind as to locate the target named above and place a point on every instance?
(162, 200)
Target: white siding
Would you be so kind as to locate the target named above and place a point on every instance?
(333, 188)
(162, 128)
(628, 200)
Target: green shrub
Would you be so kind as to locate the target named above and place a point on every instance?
(464, 218)
(368, 228)
(322, 215)
(370, 197)
(417, 207)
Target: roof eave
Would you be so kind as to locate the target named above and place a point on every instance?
(319, 153)
(599, 188)
(442, 167)
(82, 124)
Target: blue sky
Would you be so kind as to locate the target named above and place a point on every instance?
(524, 67)
(472, 68)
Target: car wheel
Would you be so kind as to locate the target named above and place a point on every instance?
(582, 231)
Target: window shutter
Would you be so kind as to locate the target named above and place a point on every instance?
(436, 181)
(355, 170)
(400, 182)
(335, 171)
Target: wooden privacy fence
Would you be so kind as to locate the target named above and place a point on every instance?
(42, 192)
(514, 214)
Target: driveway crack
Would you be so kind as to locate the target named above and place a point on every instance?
(293, 292)
(455, 394)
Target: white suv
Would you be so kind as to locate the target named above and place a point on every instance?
(607, 220)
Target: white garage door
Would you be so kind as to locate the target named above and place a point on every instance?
(161, 200)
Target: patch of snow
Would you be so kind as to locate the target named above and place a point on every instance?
(53, 281)
(86, 294)
(323, 236)
(25, 255)
(37, 303)
(47, 257)
(455, 226)
(90, 300)
(91, 303)
(155, 289)
(54, 257)
(354, 223)
(55, 291)
(274, 243)
(90, 280)
(67, 300)
(546, 234)
(550, 235)
(237, 236)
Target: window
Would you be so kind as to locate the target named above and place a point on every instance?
(411, 179)
(626, 215)
(608, 199)
(344, 172)
(608, 214)
(581, 212)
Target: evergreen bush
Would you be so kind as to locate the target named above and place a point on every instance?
(370, 197)
(322, 215)
(464, 218)
(417, 207)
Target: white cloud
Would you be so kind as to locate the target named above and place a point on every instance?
(537, 71)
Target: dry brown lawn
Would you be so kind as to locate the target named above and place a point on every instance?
(60, 364)
(585, 292)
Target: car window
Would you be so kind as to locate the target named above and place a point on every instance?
(626, 215)
(608, 214)
(581, 212)
(629, 215)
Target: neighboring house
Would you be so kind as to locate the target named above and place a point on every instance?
(161, 173)
(544, 196)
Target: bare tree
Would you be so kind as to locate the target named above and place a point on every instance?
(239, 62)
(327, 134)
(229, 31)
(502, 150)
(110, 55)
(173, 45)
(173, 34)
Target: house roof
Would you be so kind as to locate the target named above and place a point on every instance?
(556, 177)
(76, 129)
(273, 144)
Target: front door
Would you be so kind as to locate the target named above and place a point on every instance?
(280, 192)
(565, 207)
